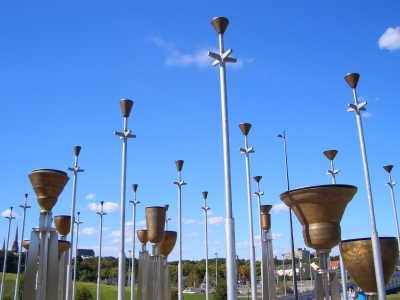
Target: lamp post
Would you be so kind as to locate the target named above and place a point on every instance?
(101, 213)
(245, 128)
(352, 80)
(309, 262)
(166, 216)
(216, 268)
(5, 253)
(126, 107)
(133, 279)
(179, 183)
(129, 267)
(20, 250)
(75, 170)
(220, 24)
(284, 272)
(390, 184)
(77, 222)
(205, 208)
(290, 219)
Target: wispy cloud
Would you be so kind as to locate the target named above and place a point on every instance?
(193, 234)
(88, 231)
(91, 196)
(367, 114)
(107, 207)
(276, 236)
(188, 221)
(215, 220)
(7, 212)
(390, 39)
(277, 208)
(356, 228)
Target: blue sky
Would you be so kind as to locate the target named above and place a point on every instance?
(65, 66)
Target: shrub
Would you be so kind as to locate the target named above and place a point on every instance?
(174, 294)
(220, 292)
(83, 293)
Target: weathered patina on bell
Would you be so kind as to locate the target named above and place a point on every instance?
(358, 259)
(265, 222)
(265, 209)
(142, 236)
(48, 185)
(168, 243)
(155, 218)
(62, 224)
(62, 246)
(319, 209)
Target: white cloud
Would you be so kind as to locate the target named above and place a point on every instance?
(88, 231)
(106, 228)
(215, 220)
(91, 196)
(276, 236)
(107, 207)
(277, 208)
(115, 233)
(390, 39)
(193, 234)
(367, 115)
(357, 229)
(188, 221)
(7, 212)
(141, 223)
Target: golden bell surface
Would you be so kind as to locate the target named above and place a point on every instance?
(320, 210)
(265, 222)
(48, 185)
(62, 224)
(142, 236)
(62, 247)
(265, 208)
(358, 260)
(155, 218)
(168, 243)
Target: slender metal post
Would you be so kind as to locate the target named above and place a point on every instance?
(352, 80)
(205, 208)
(331, 154)
(309, 262)
(245, 128)
(20, 249)
(134, 202)
(220, 24)
(75, 170)
(101, 213)
(126, 107)
(179, 183)
(216, 268)
(290, 220)
(76, 257)
(166, 217)
(390, 184)
(284, 272)
(129, 267)
(5, 253)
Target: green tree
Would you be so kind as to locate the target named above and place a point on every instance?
(83, 293)
(221, 292)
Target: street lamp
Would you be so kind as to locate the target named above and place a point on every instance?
(284, 272)
(390, 184)
(101, 213)
(133, 279)
(205, 208)
(129, 267)
(290, 219)
(5, 253)
(216, 268)
(76, 256)
(220, 24)
(309, 262)
(352, 80)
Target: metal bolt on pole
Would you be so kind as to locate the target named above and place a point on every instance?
(166, 217)
(126, 107)
(331, 154)
(134, 202)
(220, 24)
(245, 128)
(5, 253)
(390, 184)
(206, 208)
(179, 183)
(20, 250)
(101, 213)
(352, 80)
(290, 220)
(75, 170)
(77, 222)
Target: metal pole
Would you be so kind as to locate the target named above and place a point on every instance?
(75, 170)
(179, 183)
(309, 261)
(245, 128)
(5, 253)
(166, 217)
(263, 261)
(126, 107)
(220, 24)
(352, 80)
(129, 267)
(134, 202)
(76, 256)
(216, 268)
(390, 184)
(290, 220)
(101, 213)
(205, 208)
(20, 249)
(284, 272)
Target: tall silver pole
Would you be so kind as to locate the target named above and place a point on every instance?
(179, 183)
(352, 80)
(220, 24)
(390, 184)
(290, 220)
(5, 253)
(75, 170)
(284, 272)
(205, 208)
(245, 128)
(134, 202)
(309, 262)
(216, 267)
(331, 154)
(20, 249)
(126, 107)
(77, 222)
(101, 213)
(129, 267)
(166, 217)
